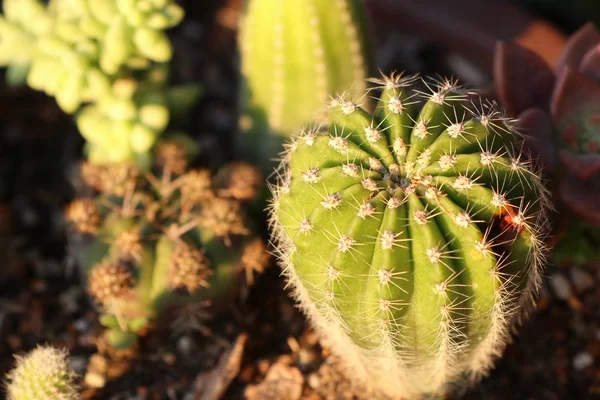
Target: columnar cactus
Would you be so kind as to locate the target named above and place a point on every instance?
(42, 374)
(107, 55)
(294, 54)
(413, 235)
(163, 241)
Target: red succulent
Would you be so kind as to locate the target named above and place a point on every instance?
(559, 110)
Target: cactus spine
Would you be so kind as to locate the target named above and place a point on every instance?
(42, 374)
(296, 53)
(413, 236)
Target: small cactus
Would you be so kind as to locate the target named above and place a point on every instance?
(161, 241)
(104, 59)
(44, 373)
(294, 54)
(413, 235)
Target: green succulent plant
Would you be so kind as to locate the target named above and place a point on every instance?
(106, 60)
(412, 235)
(294, 55)
(162, 243)
(44, 373)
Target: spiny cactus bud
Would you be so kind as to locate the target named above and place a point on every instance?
(239, 180)
(255, 258)
(413, 236)
(42, 374)
(115, 180)
(223, 217)
(196, 187)
(109, 280)
(172, 155)
(129, 245)
(295, 54)
(84, 215)
(188, 268)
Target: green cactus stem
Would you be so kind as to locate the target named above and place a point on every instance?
(44, 373)
(294, 55)
(413, 235)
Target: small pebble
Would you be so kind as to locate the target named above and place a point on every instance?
(78, 364)
(561, 286)
(313, 381)
(582, 361)
(581, 279)
(185, 345)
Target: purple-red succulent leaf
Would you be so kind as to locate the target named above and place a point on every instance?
(536, 126)
(575, 111)
(590, 65)
(577, 46)
(582, 166)
(523, 79)
(582, 199)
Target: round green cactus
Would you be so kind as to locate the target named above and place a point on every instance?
(42, 374)
(413, 235)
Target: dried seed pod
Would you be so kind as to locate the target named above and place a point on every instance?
(196, 187)
(223, 217)
(83, 215)
(172, 155)
(255, 258)
(109, 280)
(128, 245)
(239, 180)
(188, 268)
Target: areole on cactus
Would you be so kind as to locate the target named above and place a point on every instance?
(412, 235)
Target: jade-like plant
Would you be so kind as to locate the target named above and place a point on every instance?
(413, 235)
(165, 241)
(294, 55)
(558, 109)
(43, 373)
(106, 60)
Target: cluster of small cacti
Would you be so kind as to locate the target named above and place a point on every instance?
(294, 55)
(413, 235)
(104, 58)
(166, 240)
(44, 373)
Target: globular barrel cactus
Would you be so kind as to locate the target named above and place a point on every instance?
(294, 55)
(164, 242)
(107, 55)
(42, 374)
(413, 236)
